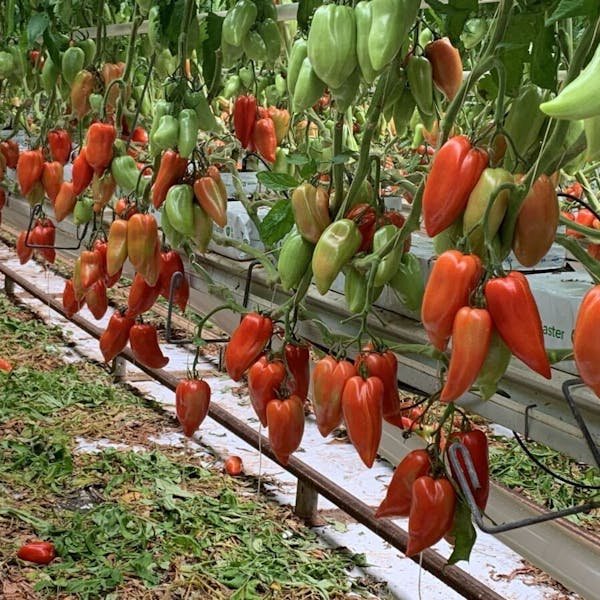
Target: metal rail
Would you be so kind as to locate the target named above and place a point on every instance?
(456, 578)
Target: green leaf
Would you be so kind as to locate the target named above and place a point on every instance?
(463, 532)
(298, 159)
(277, 222)
(306, 9)
(457, 13)
(38, 23)
(574, 8)
(50, 43)
(277, 181)
(344, 157)
(544, 59)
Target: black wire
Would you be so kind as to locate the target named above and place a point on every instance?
(579, 201)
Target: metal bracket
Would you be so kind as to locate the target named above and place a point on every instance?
(37, 210)
(470, 481)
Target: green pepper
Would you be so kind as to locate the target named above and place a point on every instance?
(477, 204)
(408, 282)
(254, 46)
(310, 207)
(332, 44)
(494, 366)
(188, 132)
(281, 164)
(83, 211)
(203, 226)
(308, 87)
(165, 63)
(298, 53)
(364, 18)
(172, 236)
(269, 32)
(230, 54)
(72, 62)
(336, 247)
(266, 10)
(294, 259)
(20, 63)
(179, 208)
(390, 23)
(205, 116)
(355, 289)
(49, 73)
(155, 29)
(144, 6)
(246, 77)
(89, 50)
(523, 125)
(238, 21)
(7, 65)
(448, 238)
(574, 132)
(389, 263)
(232, 88)
(280, 84)
(420, 79)
(345, 95)
(403, 110)
(126, 174)
(591, 127)
(96, 101)
(167, 133)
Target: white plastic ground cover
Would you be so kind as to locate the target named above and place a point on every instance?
(491, 561)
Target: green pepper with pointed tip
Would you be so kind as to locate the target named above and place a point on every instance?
(179, 206)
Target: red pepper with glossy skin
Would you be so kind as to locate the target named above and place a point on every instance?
(30, 167)
(362, 401)
(41, 553)
(365, 217)
(101, 247)
(65, 201)
(143, 341)
(446, 66)
(82, 88)
(46, 237)
(82, 172)
(264, 138)
(212, 197)
(398, 497)
(453, 277)
(99, 145)
(69, 300)
(455, 170)
(91, 268)
(24, 252)
(171, 263)
(297, 362)
(103, 188)
(329, 378)
(246, 344)
(141, 296)
(52, 179)
(285, 420)
(142, 236)
(431, 513)
(59, 141)
(385, 366)
(124, 209)
(115, 336)
(192, 399)
(96, 299)
(265, 378)
(244, 117)
(172, 168)
(476, 443)
(10, 150)
(471, 334)
(116, 251)
(586, 341)
(310, 206)
(517, 319)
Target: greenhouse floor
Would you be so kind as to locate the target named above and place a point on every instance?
(491, 562)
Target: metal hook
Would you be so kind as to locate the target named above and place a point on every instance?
(251, 266)
(37, 210)
(526, 427)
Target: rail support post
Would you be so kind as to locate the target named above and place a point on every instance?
(307, 499)
(120, 368)
(9, 286)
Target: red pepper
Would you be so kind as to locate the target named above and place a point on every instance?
(45, 237)
(99, 145)
(124, 209)
(244, 117)
(246, 343)
(2, 198)
(142, 236)
(115, 336)
(101, 247)
(65, 201)
(171, 263)
(281, 120)
(59, 141)
(91, 268)
(446, 66)
(455, 170)
(453, 277)
(212, 197)
(52, 179)
(385, 366)
(143, 340)
(329, 378)
(116, 251)
(471, 334)
(139, 135)
(431, 513)
(265, 139)
(141, 296)
(5, 365)
(265, 378)
(30, 167)
(23, 252)
(81, 90)
(476, 443)
(103, 188)
(297, 362)
(192, 399)
(362, 400)
(586, 341)
(365, 217)
(517, 319)
(69, 300)
(96, 299)
(285, 419)
(41, 553)
(172, 169)
(82, 172)
(10, 150)
(398, 497)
